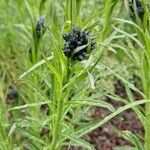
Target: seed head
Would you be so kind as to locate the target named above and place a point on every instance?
(40, 26)
(76, 44)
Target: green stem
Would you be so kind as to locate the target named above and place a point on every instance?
(59, 111)
(147, 105)
(2, 132)
(58, 124)
(147, 128)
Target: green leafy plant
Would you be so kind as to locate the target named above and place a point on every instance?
(138, 52)
(62, 49)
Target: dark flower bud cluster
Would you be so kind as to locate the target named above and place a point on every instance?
(139, 8)
(40, 26)
(12, 96)
(76, 44)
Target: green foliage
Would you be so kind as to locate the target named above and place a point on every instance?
(52, 86)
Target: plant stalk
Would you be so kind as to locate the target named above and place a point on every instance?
(58, 123)
(58, 110)
(147, 128)
(147, 105)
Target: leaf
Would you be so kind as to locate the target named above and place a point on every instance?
(109, 5)
(124, 148)
(54, 71)
(21, 28)
(47, 120)
(81, 143)
(131, 36)
(91, 102)
(93, 125)
(125, 81)
(33, 137)
(79, 49)
(131, 23)
(136, 109)
(74, 11)
(29, 105)
(12, 129)
(133, 139)
(130, 53)
(35, 66)
(92, 81)
(79, 5)
(29, 10)
(41, 7)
